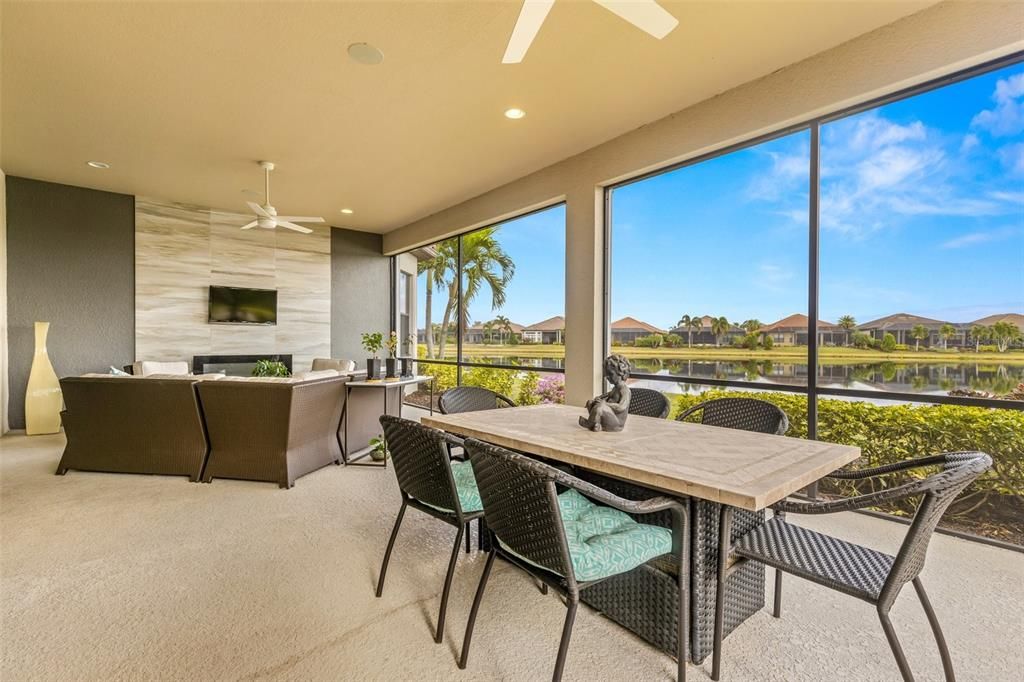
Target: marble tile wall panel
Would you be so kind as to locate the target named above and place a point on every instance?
(181, 250)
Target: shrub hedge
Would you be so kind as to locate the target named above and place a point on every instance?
(890, 433)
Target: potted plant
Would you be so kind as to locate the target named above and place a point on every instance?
(391, 363)
(372, 343)
(379, 449)
(407, 363)
(269, 368)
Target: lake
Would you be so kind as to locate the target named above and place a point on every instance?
(902, 377)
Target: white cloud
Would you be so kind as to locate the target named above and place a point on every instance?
(974, 238)
(970, 141)
(1012, 157)
(1007, 118)
(772, 277)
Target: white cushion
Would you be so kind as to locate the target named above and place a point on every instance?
(331, 363)
(147, 367)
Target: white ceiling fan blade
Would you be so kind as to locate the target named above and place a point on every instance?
(258, 210)
(293, 226)
(249, 226)
(530, 19)
(299, 219)
(646, 15)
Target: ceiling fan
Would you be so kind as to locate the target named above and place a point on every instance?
(266, 215)
(647, 15)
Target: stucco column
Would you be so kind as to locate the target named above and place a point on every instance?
(584, 300)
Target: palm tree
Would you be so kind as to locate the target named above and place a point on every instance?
(918, 332)
(440, 273)
(719, 327)
(946, 331)
(696, 324)
(751, 326)
(484, 263)
(488, 331)
(504, 327)
(684, 323)
(847, 323)
(980, 333)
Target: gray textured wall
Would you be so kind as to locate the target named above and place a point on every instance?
(360, 292)
(71, 262)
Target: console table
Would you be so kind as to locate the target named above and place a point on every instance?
(383, 385)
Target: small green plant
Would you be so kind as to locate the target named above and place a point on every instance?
(767, 343)
(373, 342)
(269, 368)
(392, 344)
(888, 343)
(379, 451)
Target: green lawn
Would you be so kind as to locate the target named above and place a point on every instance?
(793, 354)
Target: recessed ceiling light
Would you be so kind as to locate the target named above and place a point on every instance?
(99, 164)
(347, 211)
(365, 53)
(514, 113)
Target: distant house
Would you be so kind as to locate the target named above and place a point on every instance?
(901, 324)
(627, 330)
(704, 335)
(477, 333)
(551, 330)
(793, 331)
(1015, 319)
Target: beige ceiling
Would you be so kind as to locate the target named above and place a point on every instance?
(183, 98)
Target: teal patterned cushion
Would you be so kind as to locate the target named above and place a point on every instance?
(465, 486)
(465, 483)
(605, 541)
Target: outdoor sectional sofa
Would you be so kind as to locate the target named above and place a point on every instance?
(133, 425)
(271, 430)
(210, 426)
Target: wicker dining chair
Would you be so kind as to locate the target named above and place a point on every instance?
(572, 540)
(647, 402)
(471, 399)
(748, 414)
(432, 482)
(867, 574)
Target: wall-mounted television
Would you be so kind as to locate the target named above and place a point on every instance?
(236, 305)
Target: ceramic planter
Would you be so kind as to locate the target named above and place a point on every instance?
(391, 368)
(373, 368)
(407, 367)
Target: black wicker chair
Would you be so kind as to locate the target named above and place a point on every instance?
(427, 482)
(647, 402)
(471, 399)
(748, 414)
(525, 525)
(864, 573)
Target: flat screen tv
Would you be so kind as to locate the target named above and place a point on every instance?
(235, 305)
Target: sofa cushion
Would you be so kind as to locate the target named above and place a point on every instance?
(316, 374)
(147, 367)
(332, 363)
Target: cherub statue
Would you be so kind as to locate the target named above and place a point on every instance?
(608, 411)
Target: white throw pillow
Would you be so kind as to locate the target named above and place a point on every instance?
(331, 363)
(149, 367)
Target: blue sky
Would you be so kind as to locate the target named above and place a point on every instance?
(922, 210)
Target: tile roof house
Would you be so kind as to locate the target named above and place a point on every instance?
(627, 330)
(551, 330)
(792, 331)
(901, 324)
(704, 335)
(478, 334)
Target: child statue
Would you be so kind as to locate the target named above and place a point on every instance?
(608, 411)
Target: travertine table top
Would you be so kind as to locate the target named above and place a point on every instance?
(740, 468)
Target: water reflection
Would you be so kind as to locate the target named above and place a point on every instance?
(902, 377)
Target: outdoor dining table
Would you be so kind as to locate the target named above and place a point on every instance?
(707, 466)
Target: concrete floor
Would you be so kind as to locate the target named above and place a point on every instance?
(106, 576)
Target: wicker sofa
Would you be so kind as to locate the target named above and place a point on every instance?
(264, 429)
(133, 425)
